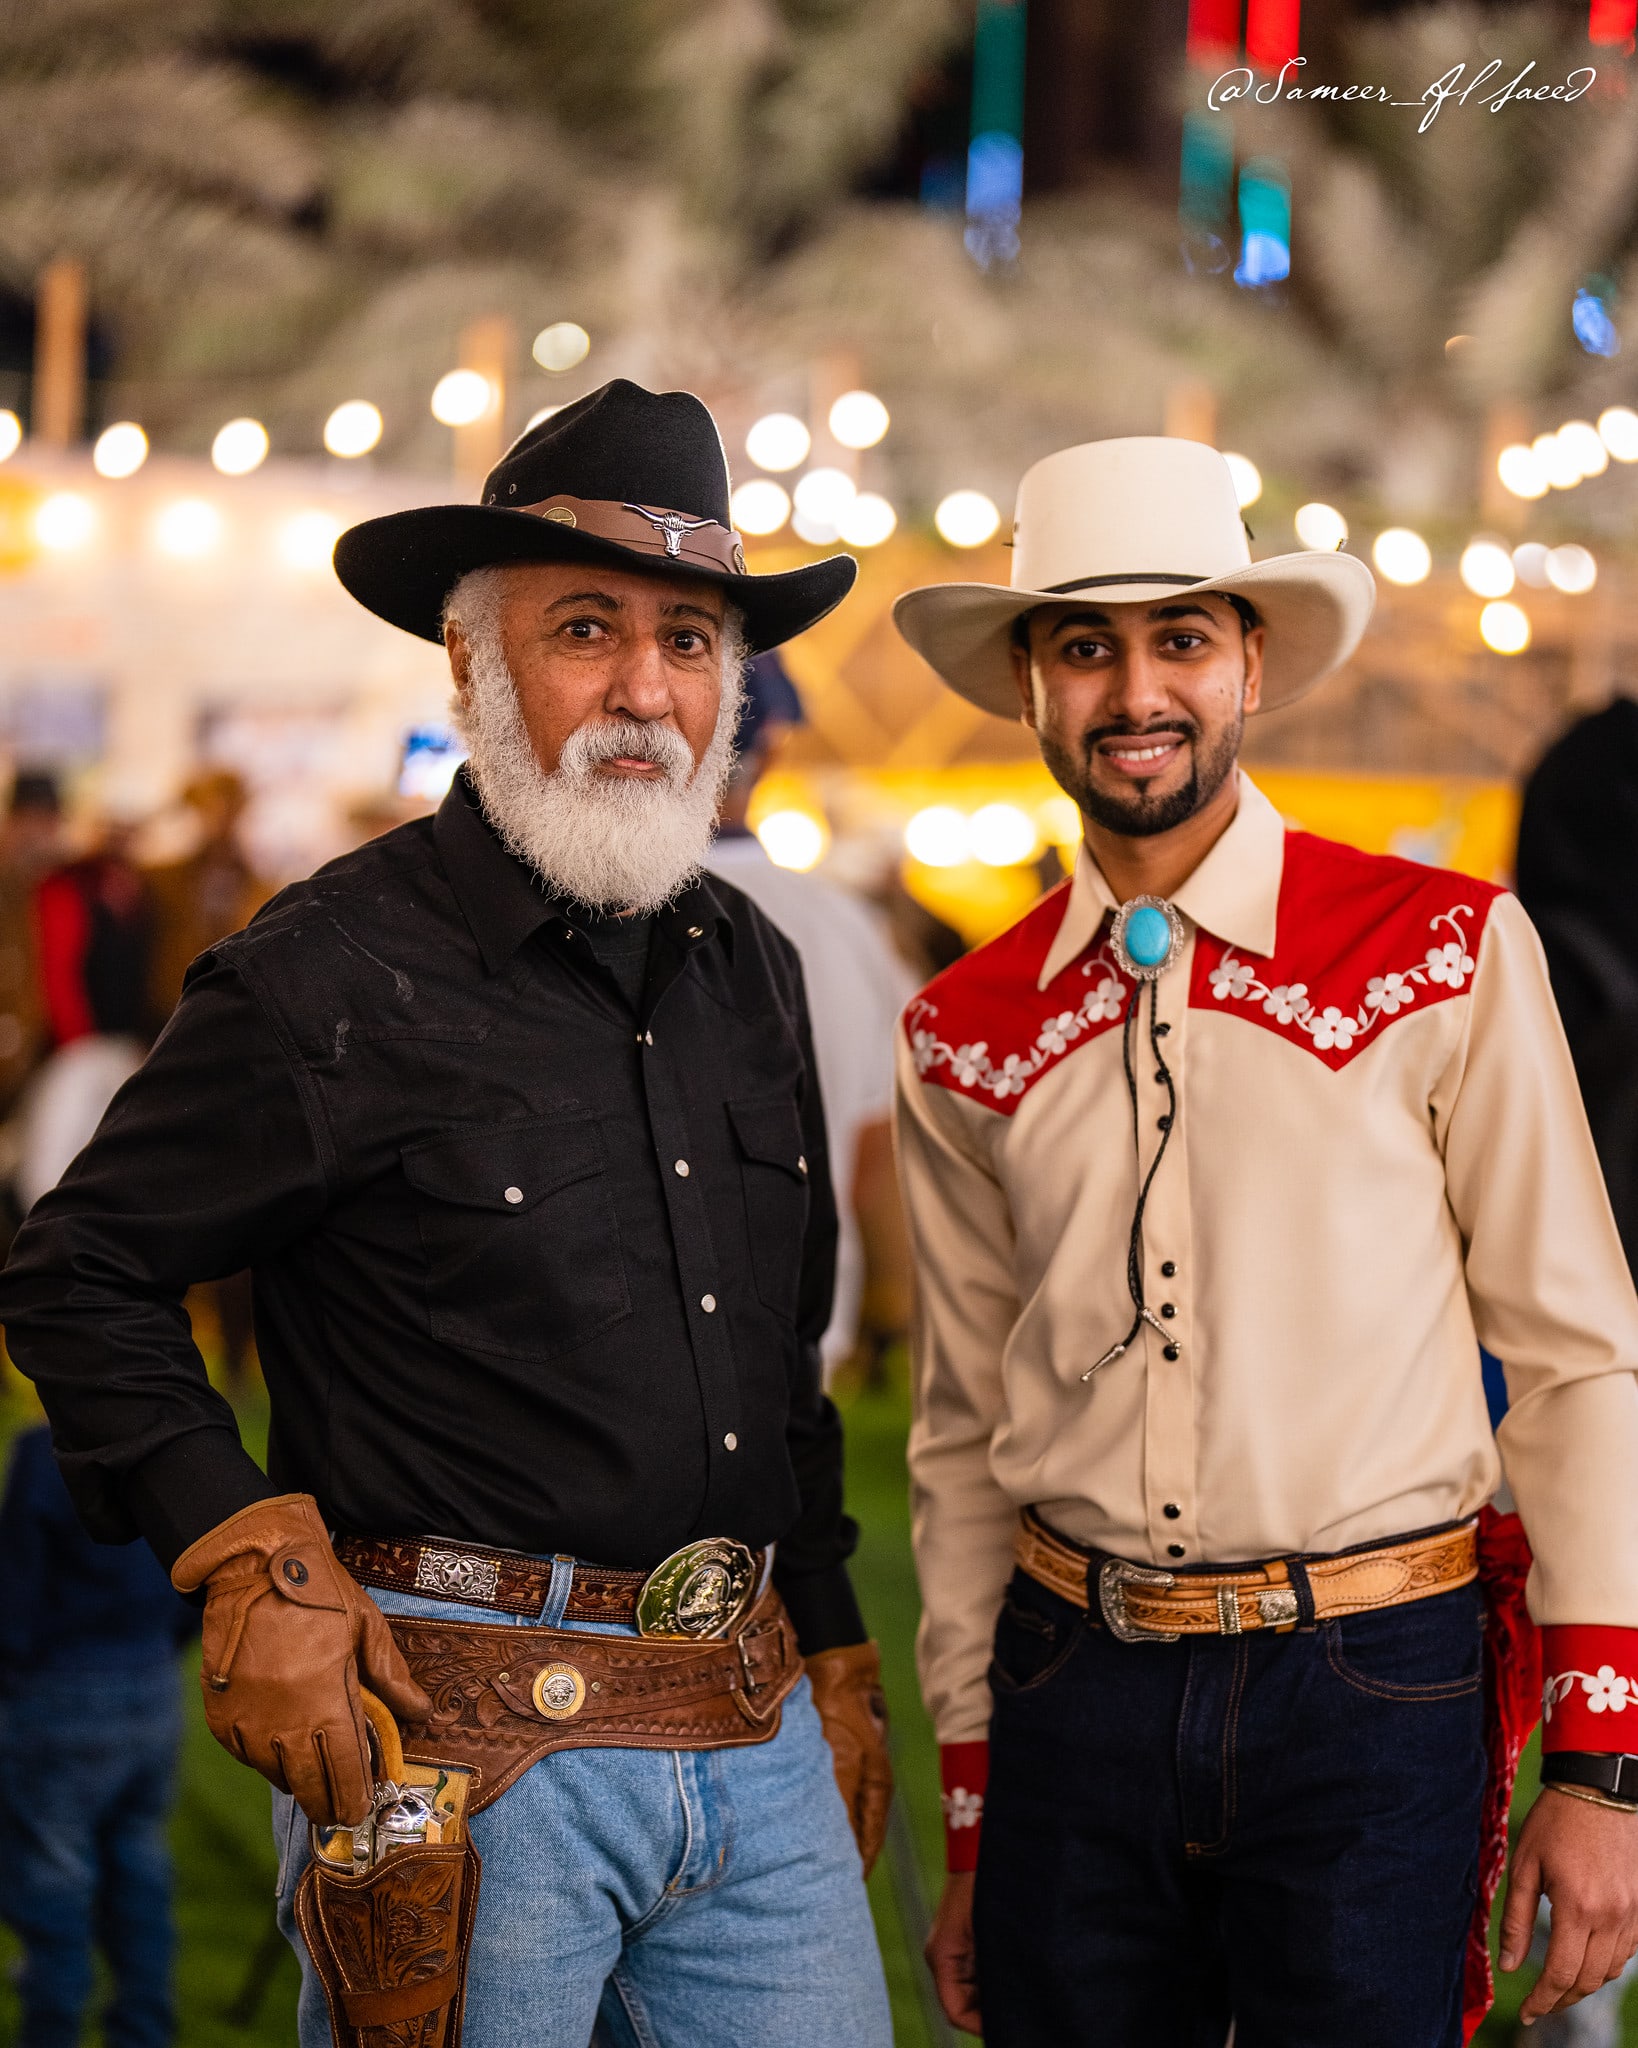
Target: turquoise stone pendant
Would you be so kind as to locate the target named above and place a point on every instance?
(1147, 938)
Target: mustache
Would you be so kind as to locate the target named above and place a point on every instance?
(605, 739)
(1123, 729)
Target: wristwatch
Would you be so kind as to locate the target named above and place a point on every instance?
(1615, 1776)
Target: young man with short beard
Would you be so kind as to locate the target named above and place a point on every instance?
(514, 1118)
(1219, 1165)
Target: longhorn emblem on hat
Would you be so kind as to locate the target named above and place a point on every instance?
(672, 524)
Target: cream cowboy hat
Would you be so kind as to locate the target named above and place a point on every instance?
(1128, 522)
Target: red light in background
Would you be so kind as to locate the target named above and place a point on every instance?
(1214, 30)
(1612, 21)
(1271, 31)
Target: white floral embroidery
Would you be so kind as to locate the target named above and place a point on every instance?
(1332, 1028)
(972, 1066)
(963, 1809)
(1607, 1692)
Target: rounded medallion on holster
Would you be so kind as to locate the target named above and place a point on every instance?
(559, 1692)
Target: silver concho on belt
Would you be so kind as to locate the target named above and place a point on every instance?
(698, 1592)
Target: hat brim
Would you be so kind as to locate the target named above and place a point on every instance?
(1315, 607)
(403, 566)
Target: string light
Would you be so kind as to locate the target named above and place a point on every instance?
(1530, 560)
(778, 441)
(1487, 568)
(1504, 627)
(822, 495)
(1583, 445)
(561, 346)
(120, 450)
(188, 528)
(1618, 430)
(64, 521)
(792, 839)
(1571, 569)
(759, 506)
(1520, 471)
(858, 419)
(866, 520)
(1248, 479)
(239, 447)
(1321, 527)
(352, 429)
(937, 837)
(1557, 462)
(1402, 556)
(307, 540)
(462, 397)
(1001, 835)
(11, 435)
(966, 519)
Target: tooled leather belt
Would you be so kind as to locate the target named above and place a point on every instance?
(1138, 1604)
(505, 1697)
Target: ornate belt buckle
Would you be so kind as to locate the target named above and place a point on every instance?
(1114, 1576)
(698, 1592)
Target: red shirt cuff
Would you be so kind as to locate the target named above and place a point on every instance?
(964, 1768)
(1589, 1697)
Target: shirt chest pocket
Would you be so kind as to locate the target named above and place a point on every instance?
(519, 1236)
(769, 1135)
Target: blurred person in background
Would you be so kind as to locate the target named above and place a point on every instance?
(857, 985)
(90, 1729)
(1578, 879)
(206, 892)
(30, 839)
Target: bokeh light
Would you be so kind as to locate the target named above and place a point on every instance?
(792, 839)
(1584, 446)
(937, 837)
(1530, 560)
(561, 346)
(1001, 835)
(1520, 472)
(1321, 527)
(1557, 462)
(1571, 569)
(307, 540)
(1618, 430)
(120, 450)
(1248, 479)
(11, 434)
(1487, 568)
(866, 520)
(64, 521)
(1402, 556)
(239, 447)
(462, 397)
(1504, 627)
(778, 441)
(1058, 819)
(760, 506)
(858, 419)
(966, 519)
(188, 528)
(353, 429)
(822, 495)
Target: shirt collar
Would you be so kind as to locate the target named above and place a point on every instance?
(504, 902)
(1234, 893)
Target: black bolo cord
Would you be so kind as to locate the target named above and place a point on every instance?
(1134, 1243)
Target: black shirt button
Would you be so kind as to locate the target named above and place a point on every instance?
(1171, 1351)
(1169, 1270)
(1171, 1511)
(1168, 1309)
(1175, 1550)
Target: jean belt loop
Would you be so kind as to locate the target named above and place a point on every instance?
(1306, 1617)
(557, 1593)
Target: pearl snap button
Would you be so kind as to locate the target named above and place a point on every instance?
(681, 1169)
(514, 1194)
(708, 1302)
(802, 1164)
(730, 1442)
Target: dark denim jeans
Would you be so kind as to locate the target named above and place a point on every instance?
(90, 1768)
(1278, 1830)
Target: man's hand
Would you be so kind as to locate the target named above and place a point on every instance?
(1585, 1858)
(949, 1954)
(847, 1690)
(288, 1638)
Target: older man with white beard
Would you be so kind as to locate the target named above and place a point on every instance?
(514, 1118)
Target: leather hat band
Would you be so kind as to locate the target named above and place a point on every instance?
(648, 530)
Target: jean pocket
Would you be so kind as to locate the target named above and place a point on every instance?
(1035, 1636)
(1426, 1650)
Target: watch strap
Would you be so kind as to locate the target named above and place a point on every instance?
(1615, 1776)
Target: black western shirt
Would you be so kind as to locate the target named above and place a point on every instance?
(532, 1268)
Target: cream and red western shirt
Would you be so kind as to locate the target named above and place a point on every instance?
(1379, 1161)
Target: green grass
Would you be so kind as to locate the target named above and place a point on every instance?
(225, 1865)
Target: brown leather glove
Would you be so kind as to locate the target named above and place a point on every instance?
(288, 1639)
(847, 1690)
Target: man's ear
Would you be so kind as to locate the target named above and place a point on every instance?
(460, 659)
(1252, 698)
(1021, 678)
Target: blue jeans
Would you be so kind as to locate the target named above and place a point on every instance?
(90, 1766)
(1281, 1831)
(668, 1898)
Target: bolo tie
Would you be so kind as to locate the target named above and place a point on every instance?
(1147, 939)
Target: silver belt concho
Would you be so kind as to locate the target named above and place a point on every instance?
(698, 1592)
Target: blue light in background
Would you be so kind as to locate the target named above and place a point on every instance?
(1265, 224)
(995, 197)
(1594, 329)
(995, 154)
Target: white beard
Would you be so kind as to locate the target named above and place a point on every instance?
(614, 843)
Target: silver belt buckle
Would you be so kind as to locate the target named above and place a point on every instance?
(699, 1592)
(1114, 1576)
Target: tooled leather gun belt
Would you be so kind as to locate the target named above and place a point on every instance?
(1138, 1604)
(505, 1697)
(505, 1580)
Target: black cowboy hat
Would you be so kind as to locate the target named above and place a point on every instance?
(624, 475)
